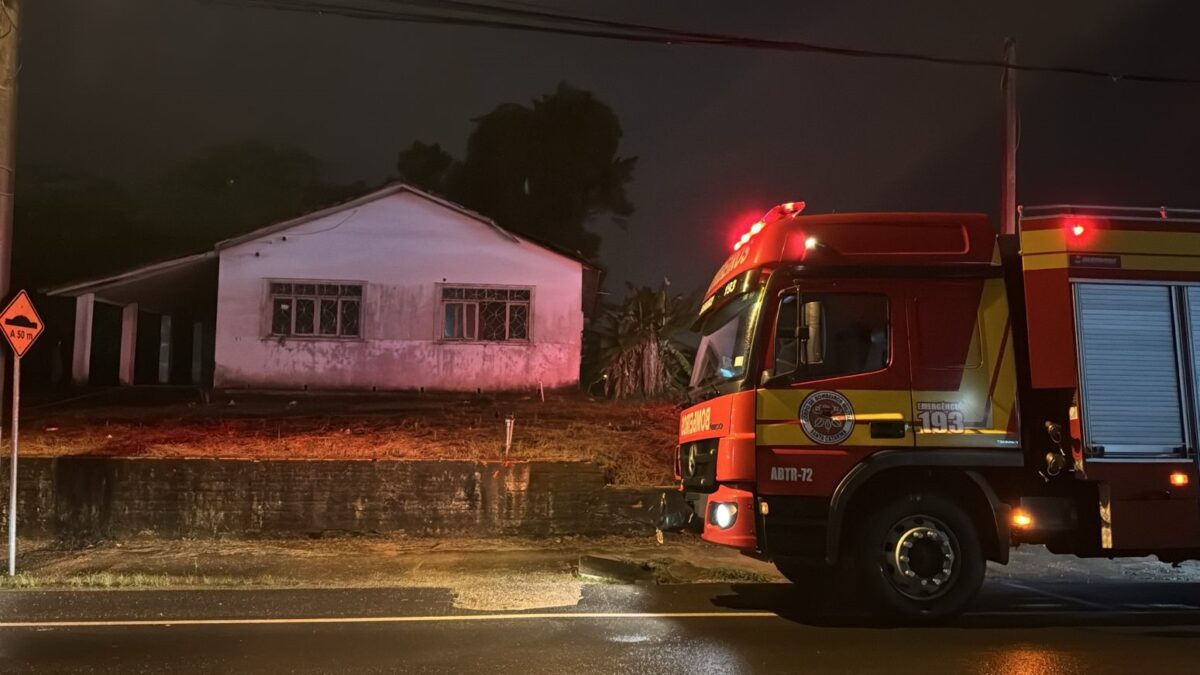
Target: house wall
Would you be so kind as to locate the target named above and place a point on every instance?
(401, 246)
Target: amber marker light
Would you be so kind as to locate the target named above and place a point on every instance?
(1021, 519)
(1179, 479)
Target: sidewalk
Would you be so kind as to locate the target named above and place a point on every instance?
(483, 574)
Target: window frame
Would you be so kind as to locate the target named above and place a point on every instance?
(802, 376)
(269, 332)
(443, 302)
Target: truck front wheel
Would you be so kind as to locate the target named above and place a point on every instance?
(919, 556)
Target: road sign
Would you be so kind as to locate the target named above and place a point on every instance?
(21, 324)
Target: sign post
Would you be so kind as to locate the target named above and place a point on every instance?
(21, 326)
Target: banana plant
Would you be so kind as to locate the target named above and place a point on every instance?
(639, 350)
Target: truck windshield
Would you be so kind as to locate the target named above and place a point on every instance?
(725, 339)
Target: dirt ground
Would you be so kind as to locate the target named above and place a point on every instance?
(484, 574)
(633, 440)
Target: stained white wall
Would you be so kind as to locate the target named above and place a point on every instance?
(401, 246)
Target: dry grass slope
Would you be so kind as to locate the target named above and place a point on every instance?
(633, 440)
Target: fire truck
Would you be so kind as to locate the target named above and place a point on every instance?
(892, 399)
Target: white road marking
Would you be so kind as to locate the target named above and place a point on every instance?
(135, 623)
(1077, 613)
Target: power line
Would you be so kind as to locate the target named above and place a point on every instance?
(527, 17)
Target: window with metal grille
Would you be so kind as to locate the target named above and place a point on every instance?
(318, 309)
(485, 313)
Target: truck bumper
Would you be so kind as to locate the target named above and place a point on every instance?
(695, 512)
(738, 534)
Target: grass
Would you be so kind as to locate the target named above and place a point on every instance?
(633, 441)
(112, 580)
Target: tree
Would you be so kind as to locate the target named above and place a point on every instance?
(234, 188)
(541, 170)
(426, 165)
(638, 351)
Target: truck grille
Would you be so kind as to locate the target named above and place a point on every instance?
(698, 465)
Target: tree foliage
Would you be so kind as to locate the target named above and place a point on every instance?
(234, 188)
(541, 170)
(638, 352)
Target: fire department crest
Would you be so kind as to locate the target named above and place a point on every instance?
(827, 417)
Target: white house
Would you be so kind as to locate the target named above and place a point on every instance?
(398, 289)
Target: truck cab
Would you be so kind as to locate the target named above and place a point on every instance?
(899, 397)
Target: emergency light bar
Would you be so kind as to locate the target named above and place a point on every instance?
(785, 210)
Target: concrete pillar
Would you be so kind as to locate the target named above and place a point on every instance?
(197, 352)
(129, 326)
(81, 362)
(164, 350)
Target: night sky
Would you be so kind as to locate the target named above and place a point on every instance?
(122, 88)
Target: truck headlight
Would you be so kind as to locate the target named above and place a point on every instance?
(724, 515)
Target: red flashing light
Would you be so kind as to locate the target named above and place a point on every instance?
(787, 209)
(1078, 229)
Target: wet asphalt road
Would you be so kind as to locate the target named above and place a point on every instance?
(1014, 628)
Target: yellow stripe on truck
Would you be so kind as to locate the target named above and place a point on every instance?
(1110, 240)
(1144, 263)
(984, 419)
(779, 416)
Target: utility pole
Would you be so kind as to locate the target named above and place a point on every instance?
(8, 138)
(1008, 189)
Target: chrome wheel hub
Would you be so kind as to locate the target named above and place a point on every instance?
(919, 557)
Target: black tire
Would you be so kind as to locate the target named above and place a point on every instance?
(918, 557)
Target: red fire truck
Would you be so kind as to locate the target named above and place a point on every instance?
(900, 397)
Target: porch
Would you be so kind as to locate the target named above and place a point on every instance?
(151, 325)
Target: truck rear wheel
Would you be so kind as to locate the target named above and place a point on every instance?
(919, 556)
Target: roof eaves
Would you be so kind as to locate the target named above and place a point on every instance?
(131, 274)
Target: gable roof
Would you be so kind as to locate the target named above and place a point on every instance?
(153, 268)
(386, 191)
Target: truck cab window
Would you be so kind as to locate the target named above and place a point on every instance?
(787, 339)
(835, 334)
(726, 336)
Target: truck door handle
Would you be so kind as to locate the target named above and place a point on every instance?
(889, 429)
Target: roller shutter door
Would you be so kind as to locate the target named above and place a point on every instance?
(1129, 361)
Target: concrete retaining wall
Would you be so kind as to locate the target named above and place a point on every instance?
(90, 498)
